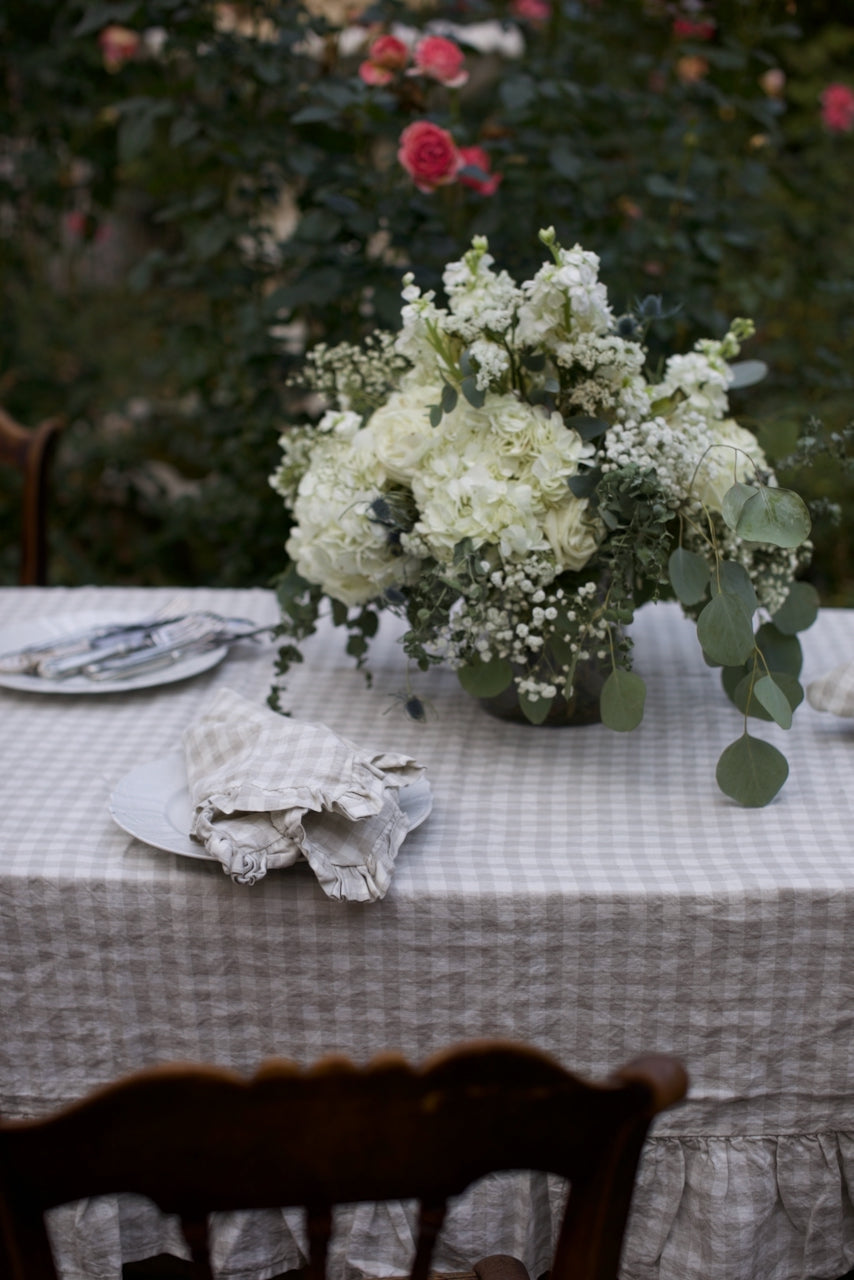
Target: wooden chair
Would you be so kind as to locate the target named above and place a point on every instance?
(197, 1139)
(29, 450)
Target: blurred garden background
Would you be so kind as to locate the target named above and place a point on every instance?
(192, 194)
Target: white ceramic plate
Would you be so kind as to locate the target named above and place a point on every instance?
(152, 803)
(42, 629)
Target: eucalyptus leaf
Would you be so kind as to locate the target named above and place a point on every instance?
(778, 516)
(751, 771)
(486, 679)
(689, 575)
(725, 631)
(472, 393)
(774, 700)
(587, 427)
(621, 701)
(781, 652)
(534, 710)
(449, 398)
(740, 686)
(583, 485)
(735, 578)
(734, 500)
(799, 610)
(746, 373)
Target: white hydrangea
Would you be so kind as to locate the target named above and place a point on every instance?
(334, 543)
(492, 474)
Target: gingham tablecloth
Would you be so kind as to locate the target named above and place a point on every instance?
(590, 892)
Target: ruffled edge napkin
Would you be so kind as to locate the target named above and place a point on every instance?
(267, 791)
(834, 692)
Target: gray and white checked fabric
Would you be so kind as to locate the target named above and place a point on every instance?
(590, 892)
(268, 791)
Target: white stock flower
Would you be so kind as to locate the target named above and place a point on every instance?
(563, 297)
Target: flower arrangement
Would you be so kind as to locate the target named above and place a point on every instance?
(507, 474)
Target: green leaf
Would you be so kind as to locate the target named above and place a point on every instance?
(774, 700)
(799, 610)
(435, 415)
(781, 652)
(621, 701)
(689, 575)
(584, 483)
(534, 710)
(472, 393)
(746, 373)
(449, 398)
(734, 500)
(735, 578)
(751, 771)
(778, 516)
(588, 428)
(486, 679)
(725, 631)
(740, 688)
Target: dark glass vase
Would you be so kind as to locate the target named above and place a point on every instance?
(581, 708)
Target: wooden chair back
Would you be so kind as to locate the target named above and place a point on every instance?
(198, 1139)
(29, 450)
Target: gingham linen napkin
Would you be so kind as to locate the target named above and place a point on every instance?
(267, 791)
(834, 692)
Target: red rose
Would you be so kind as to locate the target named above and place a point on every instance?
(477, 158)
(689, 29)
(429, 155)
(441, 60)
(386, 55)
(837, 108)
(118, 44)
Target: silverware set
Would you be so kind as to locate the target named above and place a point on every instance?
(121, 650)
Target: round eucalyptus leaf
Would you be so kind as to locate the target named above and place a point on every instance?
(744, 691)
(751, 771)
(799, 610)
(732, 678)
(773, 699)
(735, 578)
(725, 631)
(746, 373)
(778, 516)
(781, 652)
(621, 701)
(534, 710)
(733, 502)
(486, 679)
(689, 575)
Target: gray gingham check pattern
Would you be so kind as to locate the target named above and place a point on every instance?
(589, 892)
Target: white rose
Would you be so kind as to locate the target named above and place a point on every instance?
(400, 431)
(733, 461)
(572, 534)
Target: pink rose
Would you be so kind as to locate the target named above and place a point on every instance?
(536, 12)
(837, 108)
(441, 60)
(477, 158)
(429, 155)
(688, 29)
(386, 56)
(118, 45)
